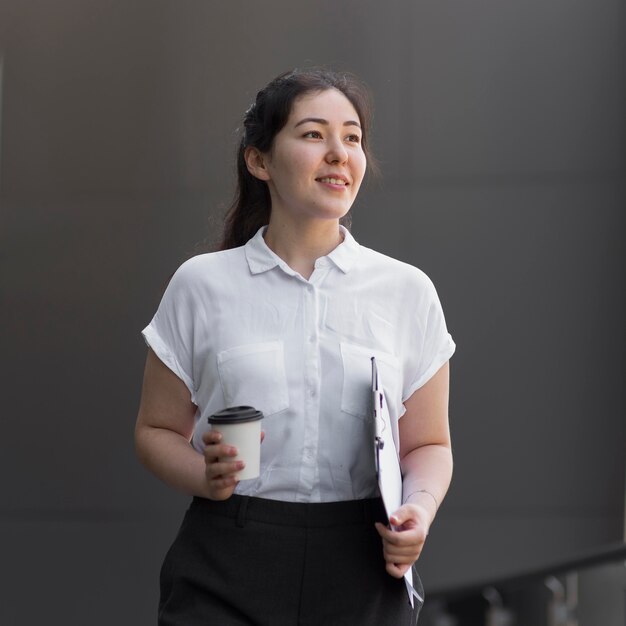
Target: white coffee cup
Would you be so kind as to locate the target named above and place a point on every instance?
(240, 426)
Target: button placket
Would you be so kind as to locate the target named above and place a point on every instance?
(308, 470)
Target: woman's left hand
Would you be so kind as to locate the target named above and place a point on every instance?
(402, 546)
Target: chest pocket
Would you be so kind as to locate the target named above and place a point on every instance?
(254, 374)
(357, 380)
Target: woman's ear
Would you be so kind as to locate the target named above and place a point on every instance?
(256, 162)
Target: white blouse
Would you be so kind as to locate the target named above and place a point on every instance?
(240, 327)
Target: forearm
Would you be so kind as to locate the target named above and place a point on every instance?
(171, 458)
(427, 472)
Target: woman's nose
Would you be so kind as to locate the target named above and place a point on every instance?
(337, 152)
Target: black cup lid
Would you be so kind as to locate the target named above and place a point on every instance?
(235, 415)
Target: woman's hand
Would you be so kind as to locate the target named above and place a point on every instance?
(221, 474)
(402, 546)
(426, 463)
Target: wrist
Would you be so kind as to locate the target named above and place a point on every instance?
(423, 499)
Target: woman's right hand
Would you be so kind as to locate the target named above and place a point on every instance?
(220, 473)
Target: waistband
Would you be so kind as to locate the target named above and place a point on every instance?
(305, 514)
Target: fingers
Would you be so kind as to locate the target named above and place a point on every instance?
(224, 469)
(214, 450)
(402, 543)
(401, 548)
(211, 437)
(402, 536)
(402, 558)
(397, 571)
(219, 451)
(221, 473)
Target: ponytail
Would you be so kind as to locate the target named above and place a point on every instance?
(250, 209)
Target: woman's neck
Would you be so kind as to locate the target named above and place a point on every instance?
(300, 245)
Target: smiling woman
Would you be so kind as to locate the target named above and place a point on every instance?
(266, 118)
(315, 167)
(285, 317)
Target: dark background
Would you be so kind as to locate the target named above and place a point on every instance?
(500, 128)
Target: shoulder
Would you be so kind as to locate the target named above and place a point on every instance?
(399, 273)
(204, 274)
(210, 265)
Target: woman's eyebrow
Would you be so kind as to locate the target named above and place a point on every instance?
(319, 120)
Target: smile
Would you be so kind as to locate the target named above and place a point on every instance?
(332, 181)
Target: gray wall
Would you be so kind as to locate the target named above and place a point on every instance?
(500, 129)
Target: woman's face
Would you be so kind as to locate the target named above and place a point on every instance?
(316, 165)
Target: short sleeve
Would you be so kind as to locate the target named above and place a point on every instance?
(434, 343)
(171, 331)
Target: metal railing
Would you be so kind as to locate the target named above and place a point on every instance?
(586, 590)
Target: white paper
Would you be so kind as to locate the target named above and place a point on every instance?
(387, 461)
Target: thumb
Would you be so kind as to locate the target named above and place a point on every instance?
(400, 516)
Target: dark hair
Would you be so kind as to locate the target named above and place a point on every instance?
(262, 121)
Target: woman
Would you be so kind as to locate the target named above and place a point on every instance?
(285, 317)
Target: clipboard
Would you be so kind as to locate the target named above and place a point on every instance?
(387, 460)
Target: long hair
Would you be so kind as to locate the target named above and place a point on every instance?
(268, 114)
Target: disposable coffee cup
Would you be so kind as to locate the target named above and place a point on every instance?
(240, 426)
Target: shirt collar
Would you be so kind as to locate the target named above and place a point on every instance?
(261, 259)
(345, 254)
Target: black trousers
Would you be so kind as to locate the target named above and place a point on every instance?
(257, 562)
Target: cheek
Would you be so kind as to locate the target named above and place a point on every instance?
(360, 165)
(294, 165)
(304, 164)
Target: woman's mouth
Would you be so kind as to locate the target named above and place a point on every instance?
(337, 183)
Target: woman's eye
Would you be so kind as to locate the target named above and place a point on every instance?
(354, 138)
(315, 134)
